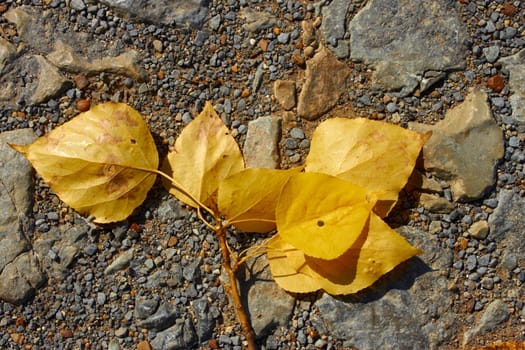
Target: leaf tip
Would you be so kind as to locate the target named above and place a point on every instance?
(19, 148)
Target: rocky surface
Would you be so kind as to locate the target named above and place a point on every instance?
(407, 41)
(154, 280)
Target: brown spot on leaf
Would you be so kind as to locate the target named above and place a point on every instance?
(118, 184)
(123, 117)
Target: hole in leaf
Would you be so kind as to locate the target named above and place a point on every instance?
(133, 141)
(320, 223)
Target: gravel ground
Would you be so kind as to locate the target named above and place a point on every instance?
(173, 261)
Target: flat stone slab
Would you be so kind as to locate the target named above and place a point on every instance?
(409, 308)
(516, 66)
(464, 147)
(20, 273)
(261, 148)
(403, 39)
(181, 13)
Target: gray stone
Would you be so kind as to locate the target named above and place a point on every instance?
(257, 78)
(334, 21)
(205, 321)
(121, 262)
(409, 308)
(127, 63)
(215, 22)
(7, 52)
(261, 148)
(78, 5)
(181, 336)
(50, 82)
(145, 307)
(325, 81)
(182, 13)
(516, 66)
(491, 53)
(15, 195)
(506, 222)
(284, 92)
(464, 147)
(509, 261)
(496, 313)
(258, 288)
(164, 317)
(256, 21)
(404, 39)
(20, 279)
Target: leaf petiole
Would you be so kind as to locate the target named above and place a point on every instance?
(181, 189)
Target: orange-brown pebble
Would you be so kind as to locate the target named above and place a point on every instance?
(235, 68)
(161, 74)
(81, 81)
(143, 345)
(276, 30)
(245, 93)
(66, 333)
(263, 44)
(3, 8)
(509, 9)
(298, 60)
(172, 241)
(496, 83)
(213, 344)
(83, 105)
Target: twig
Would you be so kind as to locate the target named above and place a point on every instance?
(234, 290)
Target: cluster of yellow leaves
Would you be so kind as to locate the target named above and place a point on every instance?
(328, 214)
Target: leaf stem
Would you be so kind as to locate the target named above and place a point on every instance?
(233, 288)
(181, 189)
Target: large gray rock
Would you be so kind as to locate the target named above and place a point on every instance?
(20, 279)
(409, 308)
(464, 147)
(43, 83)
(182, 13)
(181, 336)
(506, 223)
(65, 57)
(402, 39)
(325, 81)
(516, 66)
(20, 273)
(257, 288)
(7, 52)
(496, 313)
(50, 83)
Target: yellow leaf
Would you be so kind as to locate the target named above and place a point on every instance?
(288, 267)
(205, 153)
(247, 199)
(376, 252)
(321, 214)
(375, 155)
(99, 163)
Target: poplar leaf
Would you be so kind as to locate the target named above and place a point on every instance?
(321, 214)
(205, 153)
(375, 155)
(248, 198)
(100, 163)
(377, 251)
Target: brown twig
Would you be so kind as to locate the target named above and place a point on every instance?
(234, 290)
